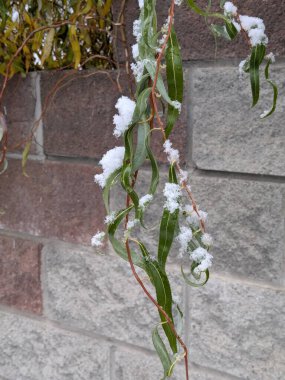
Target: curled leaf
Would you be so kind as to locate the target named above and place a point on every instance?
(275, 92)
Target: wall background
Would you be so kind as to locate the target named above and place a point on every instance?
(67, 311)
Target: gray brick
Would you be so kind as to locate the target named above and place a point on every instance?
(33, 350)
(227, 134)
(98, 293)
(148, 367)
(246, 219)
(238, 329)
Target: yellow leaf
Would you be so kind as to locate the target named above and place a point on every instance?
(48, 45)
(28, 57)
(25, 156)
(75, 46)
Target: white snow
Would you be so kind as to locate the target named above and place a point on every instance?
(110, 162)
(207, 239)
(230, 9)
(109, 219)
(135, 51)
(255, 28)
(145, 200)
(125, 107)
(97, 239)
(184, 238)
(172, 154)
(172, 193)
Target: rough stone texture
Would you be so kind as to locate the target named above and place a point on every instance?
(148, 367)
(197, 41)
(246, 219)
(227, 134)
(238, 329)
(98, 293)
(19, 103)
(20, 284)
(58, 199)
(79, 119)
(33, 350)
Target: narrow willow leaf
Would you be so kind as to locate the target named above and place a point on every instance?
(231, 30)
(192, 4)
(154, 168)
(126, 183)
(174, 73)
(151, 68)
(220, 31)
(160, 281)
(141, 150)
(141, 106)
(149, 21)
(256, 58)
(168, 226)
(48, 45)
(162, 352)
(109, 183)
(75, 45)
(275, 92)
(3, 13)
(195, 284)
(118, 246)
(25, 156)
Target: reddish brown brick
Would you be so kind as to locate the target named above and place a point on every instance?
(79, 120)
(56, 200)
(20, 283)
(197, 41)
(19, 102)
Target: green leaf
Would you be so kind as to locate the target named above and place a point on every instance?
(160, 281)
(174, 73)
(162, 352)
(168, 226)
(231, 30)
(3, 13)
(154, 168)
(118, 246)
(220, 31)
(141, 106)
(275, 91)
(141, 150)
(126, 183)
(109, 183)
(256, 58)
(192, 4)
(150, 65)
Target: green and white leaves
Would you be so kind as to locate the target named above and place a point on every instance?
(168, 226)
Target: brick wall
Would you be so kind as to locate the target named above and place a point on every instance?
(67, 311)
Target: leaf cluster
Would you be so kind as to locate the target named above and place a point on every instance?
(81, 35)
